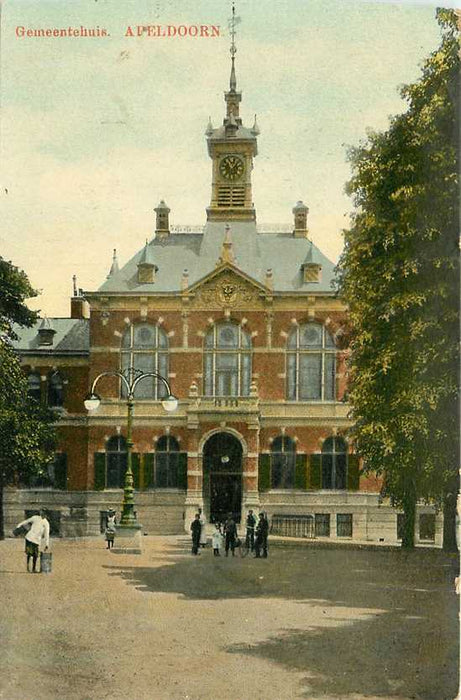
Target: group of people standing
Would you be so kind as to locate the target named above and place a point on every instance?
(225, 534)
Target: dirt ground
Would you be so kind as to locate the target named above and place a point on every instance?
(306, 623)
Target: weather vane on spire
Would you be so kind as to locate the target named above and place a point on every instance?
(233, 49)
(232, 22)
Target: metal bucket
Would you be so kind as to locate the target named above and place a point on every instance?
(45, 562)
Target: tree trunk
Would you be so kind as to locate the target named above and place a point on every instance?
(2, 524)
(409, 519)
(449, 517)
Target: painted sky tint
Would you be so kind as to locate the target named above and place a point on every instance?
(96, 131)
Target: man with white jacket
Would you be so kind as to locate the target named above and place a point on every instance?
(39, 533)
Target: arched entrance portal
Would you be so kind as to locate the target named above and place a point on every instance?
(222, 477)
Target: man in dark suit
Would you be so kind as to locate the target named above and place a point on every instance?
(262, 531)
(196, 528)
(230, 532)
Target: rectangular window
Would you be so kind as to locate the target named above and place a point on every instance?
(327, 471)
(291, 377)
(208, 375)
(162, 368)
(246, 371)
(427, 527)
(322, 525)
(145, 363)
(344, 524)
(400, 525)
(329, 381)
(310, 374)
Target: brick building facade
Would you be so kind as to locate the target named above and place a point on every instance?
(245, 325)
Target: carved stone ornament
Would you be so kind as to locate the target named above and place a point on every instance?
(226, 291)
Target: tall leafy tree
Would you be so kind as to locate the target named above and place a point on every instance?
(15, 288)
(399, 275)
(27, 433)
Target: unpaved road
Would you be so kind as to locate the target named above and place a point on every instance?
(163, 625)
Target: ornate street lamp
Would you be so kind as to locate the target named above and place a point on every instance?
(130, 378)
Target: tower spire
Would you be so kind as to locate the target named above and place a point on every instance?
(233, 51)
(233, 97)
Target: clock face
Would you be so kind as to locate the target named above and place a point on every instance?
(231, 167)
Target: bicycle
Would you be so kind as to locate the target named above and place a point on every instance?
(243, 546)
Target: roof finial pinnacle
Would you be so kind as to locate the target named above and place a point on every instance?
(227, 251)
(114, 267)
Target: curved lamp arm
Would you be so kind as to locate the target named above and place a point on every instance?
(92, 401)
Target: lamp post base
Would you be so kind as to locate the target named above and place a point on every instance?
(128, 538)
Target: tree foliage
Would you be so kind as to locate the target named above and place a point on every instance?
(15, 288)
(27, 433)
(399, 275)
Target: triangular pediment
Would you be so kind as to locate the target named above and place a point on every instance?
(227, 287)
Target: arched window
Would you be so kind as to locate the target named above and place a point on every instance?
(116, 460)
(34, 386)
(334, 463)
(55, 395)
(311, 364)
(283, 463)
(145, 347)
(227, 361)
(166, 462)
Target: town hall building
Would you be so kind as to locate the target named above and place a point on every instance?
(245, 325)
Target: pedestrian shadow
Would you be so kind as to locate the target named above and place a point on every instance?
(409, 648)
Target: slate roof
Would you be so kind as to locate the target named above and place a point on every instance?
(72, 336)
(254, 253)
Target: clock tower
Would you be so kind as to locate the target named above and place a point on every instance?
(232, 148)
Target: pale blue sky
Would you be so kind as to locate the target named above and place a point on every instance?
(96, 131)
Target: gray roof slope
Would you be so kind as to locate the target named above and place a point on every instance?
(198, 253)
(72, 335)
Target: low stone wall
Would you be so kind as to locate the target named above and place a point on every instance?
(162, 512)
(78, 513)
(372, 520)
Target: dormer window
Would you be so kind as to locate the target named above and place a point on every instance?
(46, 333)
(312, 272)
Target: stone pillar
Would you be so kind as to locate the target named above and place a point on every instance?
(194, 494)
(250, 495)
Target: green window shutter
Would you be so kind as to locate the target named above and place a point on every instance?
(135, 467)
(353, 474)
(301, 472)
(149, 470)
(60, 471)
(99, 471)
(264, 472)
(315, 472)
(182, 470)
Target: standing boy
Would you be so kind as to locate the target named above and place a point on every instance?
(39, 532)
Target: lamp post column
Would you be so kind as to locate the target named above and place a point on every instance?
(128, 518)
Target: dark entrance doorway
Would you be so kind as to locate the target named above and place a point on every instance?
(222, 477)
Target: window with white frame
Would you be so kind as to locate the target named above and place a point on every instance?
(55, 393)
(227, 361)
(311, 364)
(34, 387)
(334, 463)
(283, 462)
(166, 462)
(145, 347)
(116, 462)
